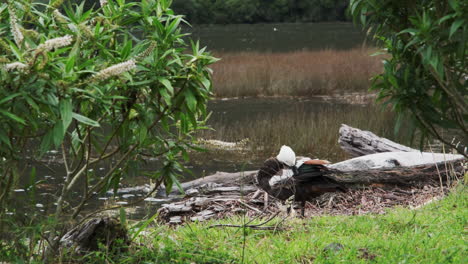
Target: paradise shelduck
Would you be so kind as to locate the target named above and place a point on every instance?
(306, 182)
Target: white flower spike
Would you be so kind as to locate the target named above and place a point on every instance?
(55, 43)
(15, 66)
(15, 28)
(115, 70)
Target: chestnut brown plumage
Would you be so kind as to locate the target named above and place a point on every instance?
(305, 184)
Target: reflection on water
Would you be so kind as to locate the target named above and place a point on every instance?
(309, 126)
(278, 37)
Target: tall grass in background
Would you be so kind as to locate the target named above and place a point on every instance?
(299, 73)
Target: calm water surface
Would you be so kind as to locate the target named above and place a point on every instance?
(278, 37)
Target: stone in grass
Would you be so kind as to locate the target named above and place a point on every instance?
(364, 253)
(333, 248)
(175, 220)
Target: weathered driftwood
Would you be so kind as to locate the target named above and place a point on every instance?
(222, 178)
(401, 175)
(88, 236)
(360, 142)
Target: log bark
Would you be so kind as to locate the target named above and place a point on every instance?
(88, 236)
(358, 142)
(403, 176)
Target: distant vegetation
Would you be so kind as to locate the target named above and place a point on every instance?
(301, 73)
(256, 11)
(260, 11)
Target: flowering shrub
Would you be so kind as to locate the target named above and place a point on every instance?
(111, 83)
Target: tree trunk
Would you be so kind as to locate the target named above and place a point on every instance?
(360, 142)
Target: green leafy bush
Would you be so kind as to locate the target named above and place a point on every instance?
(427, 73)
(111, 83)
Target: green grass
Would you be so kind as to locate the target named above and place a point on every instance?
(432, 234)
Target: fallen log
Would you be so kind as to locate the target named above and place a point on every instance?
(399, 171)
(378, 168)
(223, 178)
(440, 171)
(358, 142)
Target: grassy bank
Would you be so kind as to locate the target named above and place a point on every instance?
(432, 234)
(300, 73)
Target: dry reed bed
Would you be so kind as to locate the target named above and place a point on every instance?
(300, 73)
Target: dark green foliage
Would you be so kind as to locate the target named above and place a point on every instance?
(260, 11)
(426, 76)
(256, 11)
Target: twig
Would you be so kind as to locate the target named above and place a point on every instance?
(250, 207)
(274, 228)
(257, 226)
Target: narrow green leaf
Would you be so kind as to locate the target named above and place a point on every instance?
(445, 18)
(70, 64)
(85, 120)
(455, 26)
(32, 103)
(47, 141)
(177, 183)
(8, 98)
(173, 26)
(126, 50)
(58, 134)
(144, 225)
(52, 99)
(453, 4)
(66, 112)
(165, 95)
(143, 132)
(190, 100)
(4, 138)
(13, 116)
(411, 31)
(206, 82)
(167, 84)
(15, 50)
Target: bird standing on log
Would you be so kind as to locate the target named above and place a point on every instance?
(306, 182)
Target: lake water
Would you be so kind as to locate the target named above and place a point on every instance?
(278, 37)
